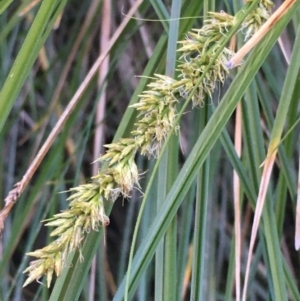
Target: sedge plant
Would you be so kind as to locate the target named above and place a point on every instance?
(157, 113)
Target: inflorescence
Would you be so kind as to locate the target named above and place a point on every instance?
(157, 112)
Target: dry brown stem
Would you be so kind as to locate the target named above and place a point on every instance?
(236, 60)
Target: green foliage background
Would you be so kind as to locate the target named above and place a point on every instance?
(186, 225)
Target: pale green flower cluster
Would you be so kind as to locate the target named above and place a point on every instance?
(197, 51)
(157, 107)
(257, 17)
(86, 213)
(157, 113)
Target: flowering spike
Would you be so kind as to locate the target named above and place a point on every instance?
(157, 111)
